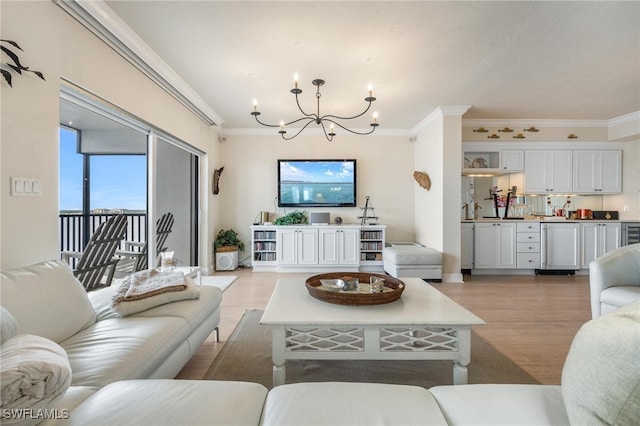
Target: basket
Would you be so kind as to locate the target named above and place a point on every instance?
(316, 290)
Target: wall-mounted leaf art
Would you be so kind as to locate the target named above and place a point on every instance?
(9, 49)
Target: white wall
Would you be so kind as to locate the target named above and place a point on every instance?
(55, 44)
(248, 183)
(438, 152)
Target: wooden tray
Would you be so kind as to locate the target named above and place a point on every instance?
(354, 298)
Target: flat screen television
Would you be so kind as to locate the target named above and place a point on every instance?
(317, 183)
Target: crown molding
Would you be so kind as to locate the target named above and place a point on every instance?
(440, 112)
(624, 119)
(309, 132)
(98, 18)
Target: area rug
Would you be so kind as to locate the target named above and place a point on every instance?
(246, 356)
(222, 281)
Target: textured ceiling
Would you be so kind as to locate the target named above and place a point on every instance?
(507, 60)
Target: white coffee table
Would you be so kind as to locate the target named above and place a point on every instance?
(423, 324)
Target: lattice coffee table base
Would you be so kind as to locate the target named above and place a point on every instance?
(371, 342)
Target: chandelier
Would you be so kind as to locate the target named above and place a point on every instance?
(328, 119)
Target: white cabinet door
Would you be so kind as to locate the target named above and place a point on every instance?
(350, 247)
(560, 246)
(495, 246)
(466, 252)
(547, 172)
(598, 238)
(506, 245)
(512, 160)
(339, 246)
(597, 171)
(307, 246)
(328, 246)
(297, 246)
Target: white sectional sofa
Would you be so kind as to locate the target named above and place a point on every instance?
(600, 381)
(46, 300)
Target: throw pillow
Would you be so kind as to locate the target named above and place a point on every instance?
(34, 371)
(8, 325)
(601, 375)
(47, 300)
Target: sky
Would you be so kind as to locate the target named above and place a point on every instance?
(117, 181)
(312, 171)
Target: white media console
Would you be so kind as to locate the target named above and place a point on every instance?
(317, 248)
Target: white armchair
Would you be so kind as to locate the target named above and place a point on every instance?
(614, 279)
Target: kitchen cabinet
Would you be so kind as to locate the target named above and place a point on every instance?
(597, 171)
(512, 160)
(560, 246)
(598, 238)
(548, 171)
(466, 246)
(528, 245)
(297, 246)
(494, 245)
(339, 246)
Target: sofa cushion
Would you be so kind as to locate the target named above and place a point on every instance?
(601, 375)
(8, 325)
(619, 296)
(333, 403)
(123, 348)
(503, 404)
(173, 402)
(412, 255)
(34, 371)
(46, 300)
(195, 312)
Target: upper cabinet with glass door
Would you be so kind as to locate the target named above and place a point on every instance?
(492, 162)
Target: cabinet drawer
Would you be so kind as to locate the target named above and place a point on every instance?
(528, 227)
(528, 247)
(528, 237)
(528, 260)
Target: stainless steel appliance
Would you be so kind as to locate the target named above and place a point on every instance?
(630, 233)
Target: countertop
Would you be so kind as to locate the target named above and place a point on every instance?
(545, 219)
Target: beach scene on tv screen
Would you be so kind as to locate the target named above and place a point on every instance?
(311, 182)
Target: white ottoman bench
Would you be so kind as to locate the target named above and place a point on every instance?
(412, 260)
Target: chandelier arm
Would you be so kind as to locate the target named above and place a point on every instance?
(337, 117)
(285, 124)
(311, 120)
(326, 135)
(265, 124)
(313, 116)
(373, 128)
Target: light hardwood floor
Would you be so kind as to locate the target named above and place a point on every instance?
(530, 319)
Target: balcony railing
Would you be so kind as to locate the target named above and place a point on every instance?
(72, 234)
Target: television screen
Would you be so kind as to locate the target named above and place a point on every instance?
(316, 183)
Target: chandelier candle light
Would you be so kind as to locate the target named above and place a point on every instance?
(332, 120)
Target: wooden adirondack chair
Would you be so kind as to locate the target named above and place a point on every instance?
(96, 264)
(133, 261)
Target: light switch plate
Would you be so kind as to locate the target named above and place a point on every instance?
(25, 187)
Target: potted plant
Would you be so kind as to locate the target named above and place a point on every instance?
(226, 246)
(227, 240)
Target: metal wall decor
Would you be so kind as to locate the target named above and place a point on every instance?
(481, 130)
(493, 136)
(531, 129)
(321, 120)
(519, 136)
(572, 136)
(14, 64)
(506, 130)
(423, 179)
